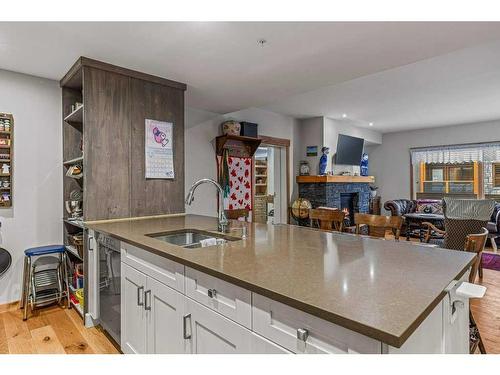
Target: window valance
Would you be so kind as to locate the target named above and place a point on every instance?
(481, 152)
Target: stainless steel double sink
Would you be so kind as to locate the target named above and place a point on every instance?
(191, 238)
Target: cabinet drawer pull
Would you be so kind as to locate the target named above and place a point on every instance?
(212, 293)
(140, 300)
(147, 300)
(184, 327)
(302, 334)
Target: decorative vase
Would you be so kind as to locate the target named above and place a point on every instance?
(231, 127)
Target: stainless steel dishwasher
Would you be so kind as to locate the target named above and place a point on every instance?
(109, 272)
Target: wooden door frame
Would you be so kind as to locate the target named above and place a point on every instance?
(278, 142)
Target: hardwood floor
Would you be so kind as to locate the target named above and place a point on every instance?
(50, 330)
(486, 311)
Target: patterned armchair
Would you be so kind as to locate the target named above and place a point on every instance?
(462, 217)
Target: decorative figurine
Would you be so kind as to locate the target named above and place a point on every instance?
(364, 164)
(323, 161)
(5, 168)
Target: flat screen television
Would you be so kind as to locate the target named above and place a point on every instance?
(349, 150)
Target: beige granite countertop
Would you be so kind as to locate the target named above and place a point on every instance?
(381, 289)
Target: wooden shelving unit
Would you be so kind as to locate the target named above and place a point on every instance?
(73, 131)
(6, 157)
(240, 146)
(260, 174)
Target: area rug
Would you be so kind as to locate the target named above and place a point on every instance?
(491, 261)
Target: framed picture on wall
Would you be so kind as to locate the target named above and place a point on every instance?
(312, 151)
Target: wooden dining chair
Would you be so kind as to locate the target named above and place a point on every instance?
(237, 214)
(378, 224)
(475, 244)
(327, 219)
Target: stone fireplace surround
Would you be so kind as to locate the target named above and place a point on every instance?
(328, 194)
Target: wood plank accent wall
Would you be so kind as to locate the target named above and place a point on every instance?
(153, 101)
(106, 144)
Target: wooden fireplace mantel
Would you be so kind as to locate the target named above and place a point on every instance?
(338, 179)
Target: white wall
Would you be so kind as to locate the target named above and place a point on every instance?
(200, 150)
(310, 134)
(323, 131)
(35, 218)
(331, 131)
(390, 162)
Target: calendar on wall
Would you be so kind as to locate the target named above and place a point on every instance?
(159, 149)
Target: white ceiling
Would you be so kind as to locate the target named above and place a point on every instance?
(456, 88)
(226, 70)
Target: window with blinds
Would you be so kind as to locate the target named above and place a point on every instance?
(462, 171)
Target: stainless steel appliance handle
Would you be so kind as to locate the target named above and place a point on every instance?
(184, 327)
(90, 243)
(140, 301)
(147, 300)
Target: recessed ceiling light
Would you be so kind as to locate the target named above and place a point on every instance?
(344, 115)
(370, 124)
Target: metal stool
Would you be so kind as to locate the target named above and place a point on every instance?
(45, 280)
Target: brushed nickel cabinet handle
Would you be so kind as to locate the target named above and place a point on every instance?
(147, 300)
(212, 293)
(184, 327)
(140, 301)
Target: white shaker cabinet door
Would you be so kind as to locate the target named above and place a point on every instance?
(208, 332)
(164, 313)
(133, 315)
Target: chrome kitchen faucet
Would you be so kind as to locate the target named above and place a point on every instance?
(222, 216)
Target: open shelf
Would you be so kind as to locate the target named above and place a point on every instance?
(77, 307)
(75, 223)
(73, 251)
(238, 146)
(74, 161)
(76, 116)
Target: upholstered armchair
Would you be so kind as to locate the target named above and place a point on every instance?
(462, 217)
(493, 226)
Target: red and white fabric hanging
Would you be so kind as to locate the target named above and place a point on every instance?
(240, 184)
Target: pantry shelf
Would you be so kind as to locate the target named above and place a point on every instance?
(74, 161)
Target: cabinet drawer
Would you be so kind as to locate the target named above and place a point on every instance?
(162, 269)
(281, 324)
(227, 299)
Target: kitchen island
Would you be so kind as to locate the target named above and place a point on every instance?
(286, 289)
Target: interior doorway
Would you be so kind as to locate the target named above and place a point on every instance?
(270, 184)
